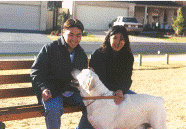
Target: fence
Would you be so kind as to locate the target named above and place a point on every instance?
(166, 59)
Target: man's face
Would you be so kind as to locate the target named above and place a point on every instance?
(72, 37)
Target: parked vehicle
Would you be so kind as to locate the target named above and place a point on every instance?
(112, 22)
(130, 23)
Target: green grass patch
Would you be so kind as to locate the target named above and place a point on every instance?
(173, 39)
(22, 54)
(176, 39)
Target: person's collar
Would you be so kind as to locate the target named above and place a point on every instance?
(62, 41)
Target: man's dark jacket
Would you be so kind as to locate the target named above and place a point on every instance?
(52, 68)
(113, 68)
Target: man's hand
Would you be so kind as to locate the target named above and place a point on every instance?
(120, 96)
(46, 95)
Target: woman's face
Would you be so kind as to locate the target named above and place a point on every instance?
(117, 41)
(72, 37)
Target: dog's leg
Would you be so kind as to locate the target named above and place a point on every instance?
(158, 117)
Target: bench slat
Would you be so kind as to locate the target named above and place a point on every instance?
(30, 111)
(16, 92)
(10, 79)
(24, 111)
(10, 65)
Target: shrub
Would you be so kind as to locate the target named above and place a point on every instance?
(85, 33)
(178, 22)
(57, 33)
(52, 33)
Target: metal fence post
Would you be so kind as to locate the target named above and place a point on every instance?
(167, 58)
(140, 60)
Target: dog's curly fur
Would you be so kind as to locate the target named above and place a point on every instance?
(133, 112)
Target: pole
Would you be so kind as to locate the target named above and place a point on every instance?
(167, 58)
(140, 60)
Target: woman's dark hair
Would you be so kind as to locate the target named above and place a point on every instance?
(70, 23)
(114, 30)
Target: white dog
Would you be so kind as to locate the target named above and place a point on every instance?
(132, 113)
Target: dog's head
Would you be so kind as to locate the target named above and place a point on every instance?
(89, 83)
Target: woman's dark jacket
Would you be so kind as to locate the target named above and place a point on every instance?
(52, 68)
(114, 70)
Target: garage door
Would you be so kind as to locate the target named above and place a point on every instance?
(19, 17)
(98, 18)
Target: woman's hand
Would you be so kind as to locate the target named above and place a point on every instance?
(120, 96)
(46, 95)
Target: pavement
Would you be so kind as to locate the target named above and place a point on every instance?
(20, 37)
(22, 41)
(32, 42)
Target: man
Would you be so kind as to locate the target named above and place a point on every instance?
(51, 74)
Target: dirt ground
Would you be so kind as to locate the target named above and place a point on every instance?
(154, 78)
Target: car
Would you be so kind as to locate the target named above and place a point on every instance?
(112, 22)
(130, 23)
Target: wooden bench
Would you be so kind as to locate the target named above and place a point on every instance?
(22, 111)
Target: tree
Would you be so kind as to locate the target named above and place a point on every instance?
(178, 22)
(62, 18)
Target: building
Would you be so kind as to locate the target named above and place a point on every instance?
(23, 15)
(98, 14)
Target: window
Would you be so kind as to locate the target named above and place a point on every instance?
(134, 20)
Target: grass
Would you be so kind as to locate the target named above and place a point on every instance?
(177, 39)
(172, 39)
(88, 38)
(22, 54)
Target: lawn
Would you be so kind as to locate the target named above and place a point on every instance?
(171, 38)
(176, 39)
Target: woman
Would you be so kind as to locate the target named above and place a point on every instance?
(51, 74)
(113, 62)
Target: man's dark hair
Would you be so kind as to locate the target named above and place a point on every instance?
(70, 23)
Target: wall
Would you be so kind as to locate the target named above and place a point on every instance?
(49, 23)
(43, 10)
(130, 6)
(43, 16)
(140, 14)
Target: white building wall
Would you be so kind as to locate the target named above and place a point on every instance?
(43, 16)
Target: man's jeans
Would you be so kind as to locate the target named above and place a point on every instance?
(131, 92)
(54, 109)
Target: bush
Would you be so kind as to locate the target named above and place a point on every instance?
(52, 33)
(57, 33)
(178, 23)
(85, 33)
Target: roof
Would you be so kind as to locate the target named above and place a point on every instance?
(158, 3)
